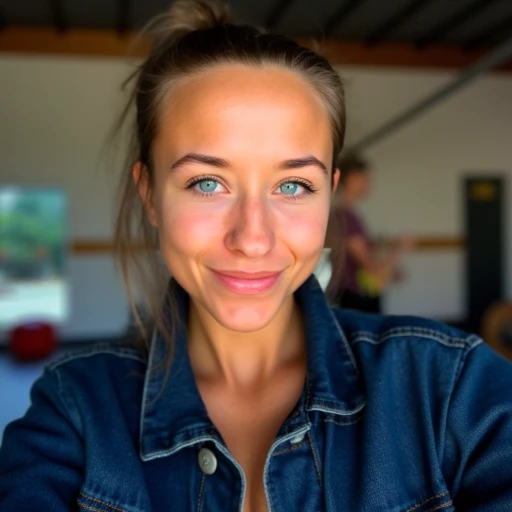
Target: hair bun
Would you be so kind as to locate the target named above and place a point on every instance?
(186, 16)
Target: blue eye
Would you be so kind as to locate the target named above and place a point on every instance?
(290, 188)
(207, 186)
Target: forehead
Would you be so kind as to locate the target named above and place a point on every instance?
(242, 107)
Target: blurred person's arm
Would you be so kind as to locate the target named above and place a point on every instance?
(42, 454)
(383, 269)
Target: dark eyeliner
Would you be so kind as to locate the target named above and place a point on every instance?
(198, 179)
(300, 181)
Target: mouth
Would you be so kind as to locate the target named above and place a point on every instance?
(247, 283)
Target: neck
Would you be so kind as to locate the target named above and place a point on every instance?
(247, 360)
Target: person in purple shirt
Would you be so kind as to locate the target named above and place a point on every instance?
(360, 271)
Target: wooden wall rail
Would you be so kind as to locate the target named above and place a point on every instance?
(424, 243)
(109, 43)
(439, 243)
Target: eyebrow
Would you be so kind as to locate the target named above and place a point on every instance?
(198, 158)
(298, 163)
(293, 163)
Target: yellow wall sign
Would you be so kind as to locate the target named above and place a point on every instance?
(483, 191)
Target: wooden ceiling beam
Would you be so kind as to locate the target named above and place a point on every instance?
(75, 42)
(109, 43)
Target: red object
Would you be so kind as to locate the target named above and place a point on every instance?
(33, 341)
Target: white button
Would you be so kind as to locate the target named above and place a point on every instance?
(298, 438)
(207, 461)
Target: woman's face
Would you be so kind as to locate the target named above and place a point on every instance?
(242, 190)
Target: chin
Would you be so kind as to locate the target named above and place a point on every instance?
(240, 317)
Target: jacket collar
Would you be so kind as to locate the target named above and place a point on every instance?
(173, 414)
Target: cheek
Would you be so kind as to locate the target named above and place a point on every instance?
(303, 229)
(187, 227)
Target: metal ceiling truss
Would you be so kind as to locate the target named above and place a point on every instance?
(124, 15)
(3, 20)
(277, 13)
(500, 55)
(487, 36)
(58, 15)
(395, 21)
(458, 18)
(340, 16)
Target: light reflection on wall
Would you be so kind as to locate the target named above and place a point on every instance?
(33, 252)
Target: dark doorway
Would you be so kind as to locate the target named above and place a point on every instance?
(484, 235)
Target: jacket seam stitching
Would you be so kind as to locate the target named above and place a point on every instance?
(123, 353)
(458, 372)
(439, 507)
(88, 507)
(428, 334)
(344, 341)
(332, 420)
(291, 448)
(201, 491)
(426, 501)
(460, 366)
(315, 459)
(308, 393)
(101, 502)
(418, 329)
(69, 407)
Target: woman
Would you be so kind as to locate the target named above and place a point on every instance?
(254, 395)
(361, 268)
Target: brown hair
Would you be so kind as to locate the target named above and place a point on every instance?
(351, 163)
(194, 36)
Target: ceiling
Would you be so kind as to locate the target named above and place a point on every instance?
(469, 24)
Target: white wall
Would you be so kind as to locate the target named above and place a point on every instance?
(55, 114)
(419, 170)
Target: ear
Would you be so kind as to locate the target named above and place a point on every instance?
(140, 176)
(335, 179)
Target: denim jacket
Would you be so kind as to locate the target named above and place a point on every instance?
(397, 414)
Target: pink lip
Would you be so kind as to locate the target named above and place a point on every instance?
(247, 283)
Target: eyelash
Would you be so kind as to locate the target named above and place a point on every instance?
(198, 179)
(308, 186)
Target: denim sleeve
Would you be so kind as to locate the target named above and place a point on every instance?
(42, 455)
(478, 449)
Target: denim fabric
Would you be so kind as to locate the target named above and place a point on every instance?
(397, 414)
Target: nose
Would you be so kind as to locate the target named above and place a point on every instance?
(250, 231)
